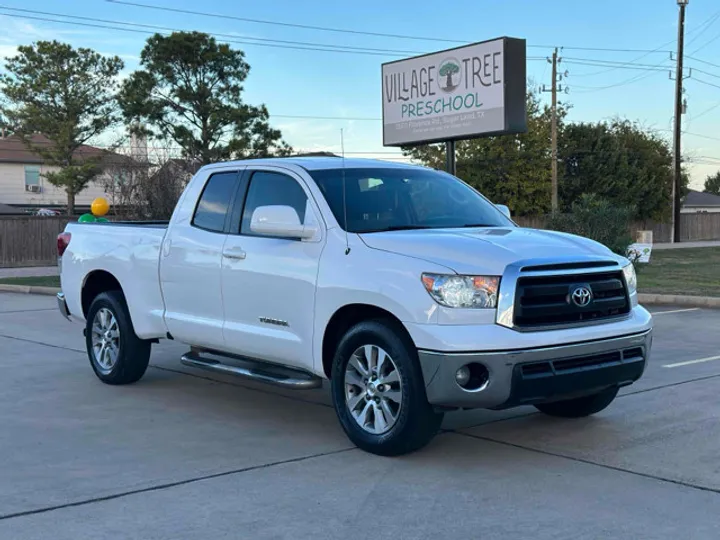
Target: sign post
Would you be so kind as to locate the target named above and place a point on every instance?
(450, 157)
(462, 93)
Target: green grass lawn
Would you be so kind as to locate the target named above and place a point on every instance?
(693, 272)
(39, 281)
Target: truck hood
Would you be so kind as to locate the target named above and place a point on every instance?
(485, 251)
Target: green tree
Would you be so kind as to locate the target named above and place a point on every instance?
(598, 219)
(189, 91)
(67, 95)
(509, 169)
(712, 184)
(619, 162)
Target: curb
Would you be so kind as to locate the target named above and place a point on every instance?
(679, 300)
(29, 289)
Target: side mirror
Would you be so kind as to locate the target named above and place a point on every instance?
(504, 209)
(280, 222)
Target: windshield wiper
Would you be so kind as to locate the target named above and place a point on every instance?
(396, 228)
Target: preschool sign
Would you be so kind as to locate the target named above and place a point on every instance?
(455, 94)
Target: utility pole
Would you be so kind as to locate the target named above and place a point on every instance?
(678, 123)
(554, 89)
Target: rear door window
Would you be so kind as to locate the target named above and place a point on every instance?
(215, 202)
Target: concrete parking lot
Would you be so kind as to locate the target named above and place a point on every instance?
(183, 454)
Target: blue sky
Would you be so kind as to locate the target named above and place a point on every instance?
(321, 84)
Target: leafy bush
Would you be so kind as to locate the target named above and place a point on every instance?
(597, 219)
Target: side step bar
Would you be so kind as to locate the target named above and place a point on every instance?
(257, 371)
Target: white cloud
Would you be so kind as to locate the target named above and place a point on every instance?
(6, 51)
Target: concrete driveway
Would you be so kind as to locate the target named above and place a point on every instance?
(185, 455)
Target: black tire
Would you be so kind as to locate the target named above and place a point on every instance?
(579, 407)
(417, 423)
(133, 353)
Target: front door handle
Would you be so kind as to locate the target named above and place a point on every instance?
(237, 254)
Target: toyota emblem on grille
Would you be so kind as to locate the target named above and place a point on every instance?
(581, 296)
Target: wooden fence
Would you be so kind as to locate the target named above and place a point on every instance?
(32, 240)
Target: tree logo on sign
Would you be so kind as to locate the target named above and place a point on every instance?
(449, 74)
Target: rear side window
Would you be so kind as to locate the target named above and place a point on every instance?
(215, 202)
(269, 189)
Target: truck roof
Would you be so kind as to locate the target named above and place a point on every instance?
(313, 163)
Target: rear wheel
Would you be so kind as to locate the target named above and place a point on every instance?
(116, 354)
(580, 407)
(378, 391)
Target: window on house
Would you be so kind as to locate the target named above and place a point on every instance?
(121, 178)
(32, 176)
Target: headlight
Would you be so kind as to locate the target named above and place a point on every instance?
(630, 278)
(463, 291)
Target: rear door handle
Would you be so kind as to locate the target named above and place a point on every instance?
(237, 254)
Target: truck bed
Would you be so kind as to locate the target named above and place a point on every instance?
(130, 252)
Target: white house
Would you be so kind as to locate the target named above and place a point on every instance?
(21, 175)
(698, 202)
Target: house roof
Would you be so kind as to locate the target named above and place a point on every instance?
(7, 210)
(14, 150)
(699, 198)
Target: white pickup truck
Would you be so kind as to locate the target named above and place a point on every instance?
(402, 285)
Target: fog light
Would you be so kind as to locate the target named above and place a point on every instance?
(462, 376)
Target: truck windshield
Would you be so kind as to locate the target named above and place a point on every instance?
(404, 198)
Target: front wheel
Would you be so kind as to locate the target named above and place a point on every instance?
(378, 391)
(579, 407)
(116, 354)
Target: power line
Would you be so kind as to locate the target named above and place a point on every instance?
(225, 16)
(638, 68)
(707, 24)
(235, 36)
(703, 27)
(137, 31)
(632, 80)
(281, 23)
(706, 111)
(600, 61)
(702, 61)
(629, 62)
(701, 47)
(281, 44)
(706, 73)
(705, 82)
(701, 136)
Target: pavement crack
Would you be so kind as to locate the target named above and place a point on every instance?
(170, 485)
(670, 385)
(626, 394)
(25, 340)
(590, 462)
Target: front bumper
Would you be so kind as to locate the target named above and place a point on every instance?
(62, 306)
(536, 375)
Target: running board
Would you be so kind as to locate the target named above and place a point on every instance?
(256, 371)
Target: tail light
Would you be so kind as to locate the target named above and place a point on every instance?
(63, 241)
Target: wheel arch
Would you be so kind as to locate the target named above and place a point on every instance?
(348, 316)
(95, 283)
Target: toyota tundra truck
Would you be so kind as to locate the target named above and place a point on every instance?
(401, 285)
